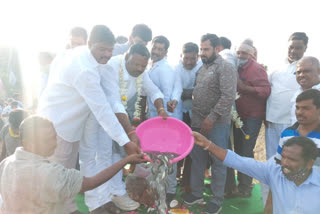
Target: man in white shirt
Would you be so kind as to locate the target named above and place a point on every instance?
(141, 33)
(168, 81)
(75, 92)
(307, 75)
(225, 52)
(283, 86)
(187, 69)
(125, 81)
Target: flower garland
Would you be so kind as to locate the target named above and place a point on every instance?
(12, 134)
(236, 119)
(124, 90)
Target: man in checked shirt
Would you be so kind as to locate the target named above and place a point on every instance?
(213, 96)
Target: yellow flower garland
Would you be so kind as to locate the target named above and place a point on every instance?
(124, 89)
(12, 134)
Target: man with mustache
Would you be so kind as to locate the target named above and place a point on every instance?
(295, 183)
(308, 120)
(283, 86)
(213, 96)
(97, 149)
(75, 91)
(307, 75)
(167, 80)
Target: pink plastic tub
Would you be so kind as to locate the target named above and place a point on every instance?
(171, 135)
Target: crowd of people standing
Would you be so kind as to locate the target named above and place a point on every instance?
(97, 89)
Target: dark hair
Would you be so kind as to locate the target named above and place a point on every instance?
(161, 40)
(225, 42)
(299, 36)
(190, 48)
(214, 40)
(16, 116)
(31, 127)
(121, 39)
(79, 32)
(140, 49)
(142, 31)
(310, 94)
(101, 33)
(14, 103)
(309, 148)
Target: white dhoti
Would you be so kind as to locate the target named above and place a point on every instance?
(95, 155)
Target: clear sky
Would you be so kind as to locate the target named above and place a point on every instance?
(43, 25)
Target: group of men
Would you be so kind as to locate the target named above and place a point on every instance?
(95, 92)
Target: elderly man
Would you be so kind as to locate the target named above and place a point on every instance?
(125, 81)
(254, 89)
(307, 75)
(295, 183)
(141, 33)
(213, 96)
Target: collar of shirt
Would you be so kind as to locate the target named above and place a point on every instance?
(314, 177)
(293, 99)
(92, 62)
(22, 154)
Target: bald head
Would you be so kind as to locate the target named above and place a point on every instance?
(38, 135)
(308, 71)
(312, 60)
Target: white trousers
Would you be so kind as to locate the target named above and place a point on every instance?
(95, 155)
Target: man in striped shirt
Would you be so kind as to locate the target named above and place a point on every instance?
(308, 121)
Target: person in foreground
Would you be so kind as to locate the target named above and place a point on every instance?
(295, 182)
(30, 183)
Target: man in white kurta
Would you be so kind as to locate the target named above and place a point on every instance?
(96, 150)
(75, 92)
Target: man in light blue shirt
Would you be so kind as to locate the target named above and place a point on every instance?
(295, 182)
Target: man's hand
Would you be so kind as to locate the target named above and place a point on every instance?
(200, 140)
(136, 158)
(162, 113)
(171, 105)
(134, 138)
(132, 148)
(206, 126)
(241, 85)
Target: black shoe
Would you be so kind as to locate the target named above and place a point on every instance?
(190, 199)
(212, 209)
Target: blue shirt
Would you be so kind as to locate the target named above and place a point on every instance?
(166, 79)
(287, 197)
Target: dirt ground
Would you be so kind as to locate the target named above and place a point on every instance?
(260, 149)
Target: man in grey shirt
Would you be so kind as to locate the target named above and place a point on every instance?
(213, 96)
